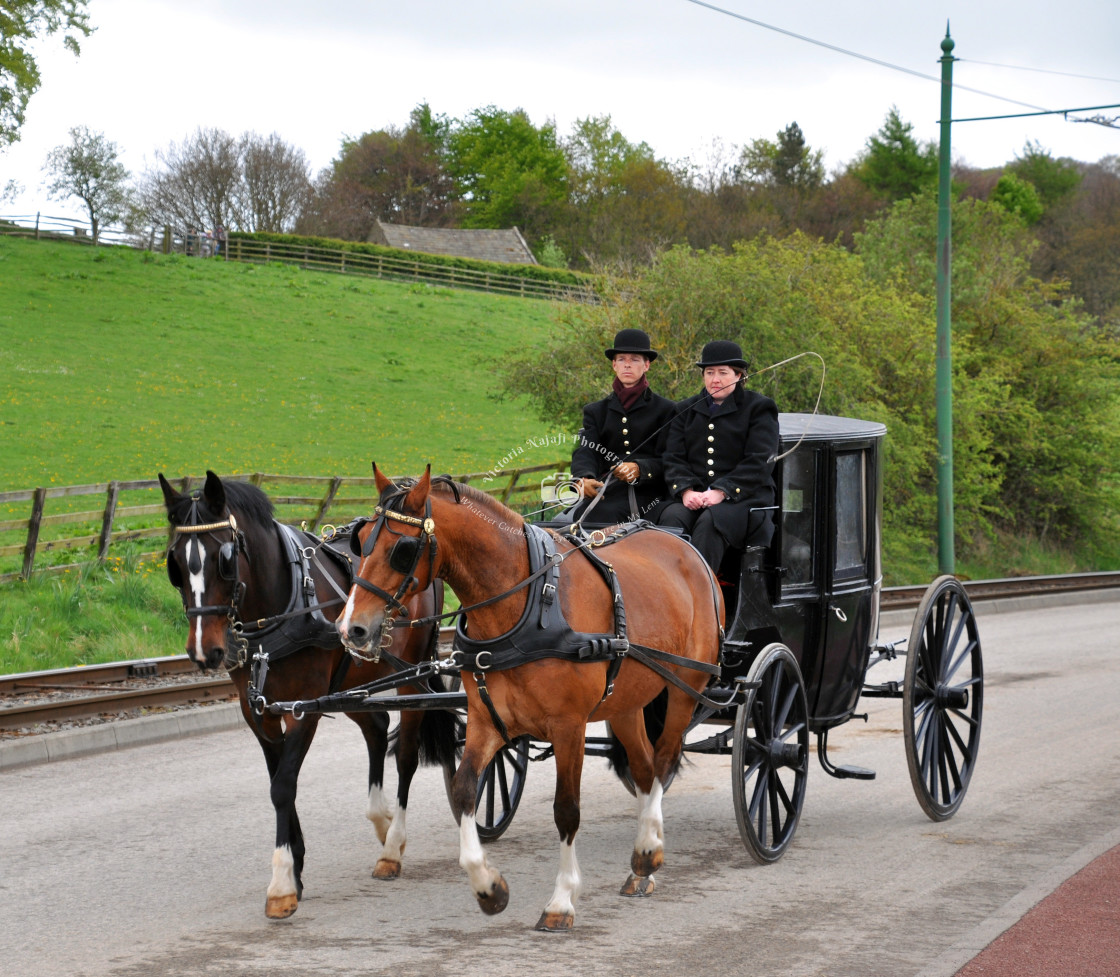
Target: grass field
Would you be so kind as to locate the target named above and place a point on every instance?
(120, 364)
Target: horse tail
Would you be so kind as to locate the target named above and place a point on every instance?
(441, 738)
(654, 713)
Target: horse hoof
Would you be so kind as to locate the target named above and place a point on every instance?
(386, 869)
(555, 922)
(646, 863)
(638, 886)
(281, 907)
(494, 902)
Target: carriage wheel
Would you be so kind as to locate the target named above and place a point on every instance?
(943, 698)
(770, 755)
(499, 789)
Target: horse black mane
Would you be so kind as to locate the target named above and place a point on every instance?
(250, 502)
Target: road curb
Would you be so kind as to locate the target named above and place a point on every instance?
(1017, 907)
(69, 743)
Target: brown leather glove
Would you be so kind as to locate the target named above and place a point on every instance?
(628, 471)
(588, 488)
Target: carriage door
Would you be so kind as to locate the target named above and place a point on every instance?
(849, 592)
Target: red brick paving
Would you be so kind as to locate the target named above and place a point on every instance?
(1073, 932)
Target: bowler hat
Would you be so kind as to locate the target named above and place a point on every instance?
(631, 341)
(722, 352)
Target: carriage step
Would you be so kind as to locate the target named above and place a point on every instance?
(839, 772)
(851, 773)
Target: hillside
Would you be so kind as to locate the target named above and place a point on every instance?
(120, 364)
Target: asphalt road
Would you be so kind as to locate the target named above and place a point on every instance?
(154, 860)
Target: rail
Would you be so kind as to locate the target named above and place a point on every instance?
(35, 699)
(134, 510)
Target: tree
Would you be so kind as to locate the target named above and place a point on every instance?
(895, 164)
(276, 183)
(1018, 197)
(88, 168)
(1054, 179)
(623, 204)
(789, 162)
(21, 22)
(198, 185)
(213, 179)
(507, 171)
(1043, 414)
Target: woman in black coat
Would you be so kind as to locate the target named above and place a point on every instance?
(719, 460)
(623, 435)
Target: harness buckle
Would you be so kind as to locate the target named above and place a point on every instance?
(489, 660)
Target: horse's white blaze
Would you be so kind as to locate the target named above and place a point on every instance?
(197, 584)
(347, 613)
(379, 811)
(283, 874)
(568, 882)
(472, 859)
(651, 825)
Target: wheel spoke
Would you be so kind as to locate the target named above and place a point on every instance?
(965, 654)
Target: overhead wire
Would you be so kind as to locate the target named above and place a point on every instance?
(877, 61)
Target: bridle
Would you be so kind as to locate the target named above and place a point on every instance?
(404, 557)
(229, 569)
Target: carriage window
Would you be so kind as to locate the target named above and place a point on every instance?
(851, 508)
(798, 480)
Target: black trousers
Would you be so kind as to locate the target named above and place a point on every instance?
(710, 535)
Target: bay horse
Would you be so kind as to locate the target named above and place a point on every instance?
(481, 549)
(233, 563)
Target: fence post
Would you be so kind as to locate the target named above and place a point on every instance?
(107, 521)
(37, 225)
(332, 491)
(38, 500)
(514, 476)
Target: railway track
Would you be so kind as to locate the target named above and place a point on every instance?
(35, 702)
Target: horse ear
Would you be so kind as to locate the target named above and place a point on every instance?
(214, 492)
(170, 496)
(382, 481)
(418, 495)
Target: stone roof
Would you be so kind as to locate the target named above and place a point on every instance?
(484, 245)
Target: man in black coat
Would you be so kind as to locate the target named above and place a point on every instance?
(623, 436)
(719, 460)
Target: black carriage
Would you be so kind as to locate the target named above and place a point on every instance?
(804, 635)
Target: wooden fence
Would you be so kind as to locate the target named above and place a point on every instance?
(129, 514)
(338, 261)
(403, 269)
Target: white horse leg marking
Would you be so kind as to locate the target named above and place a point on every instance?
(379, 811)
(472, 859)
(396, 840)
(197, 584)
(651, 826)
(283, 874)
(568, 882)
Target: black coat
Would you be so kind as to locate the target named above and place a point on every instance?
(609, 435)
(732, 450)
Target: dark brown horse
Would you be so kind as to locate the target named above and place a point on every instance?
(233, 563)
(481, 549)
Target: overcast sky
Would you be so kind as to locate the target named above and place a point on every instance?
(675, 74)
